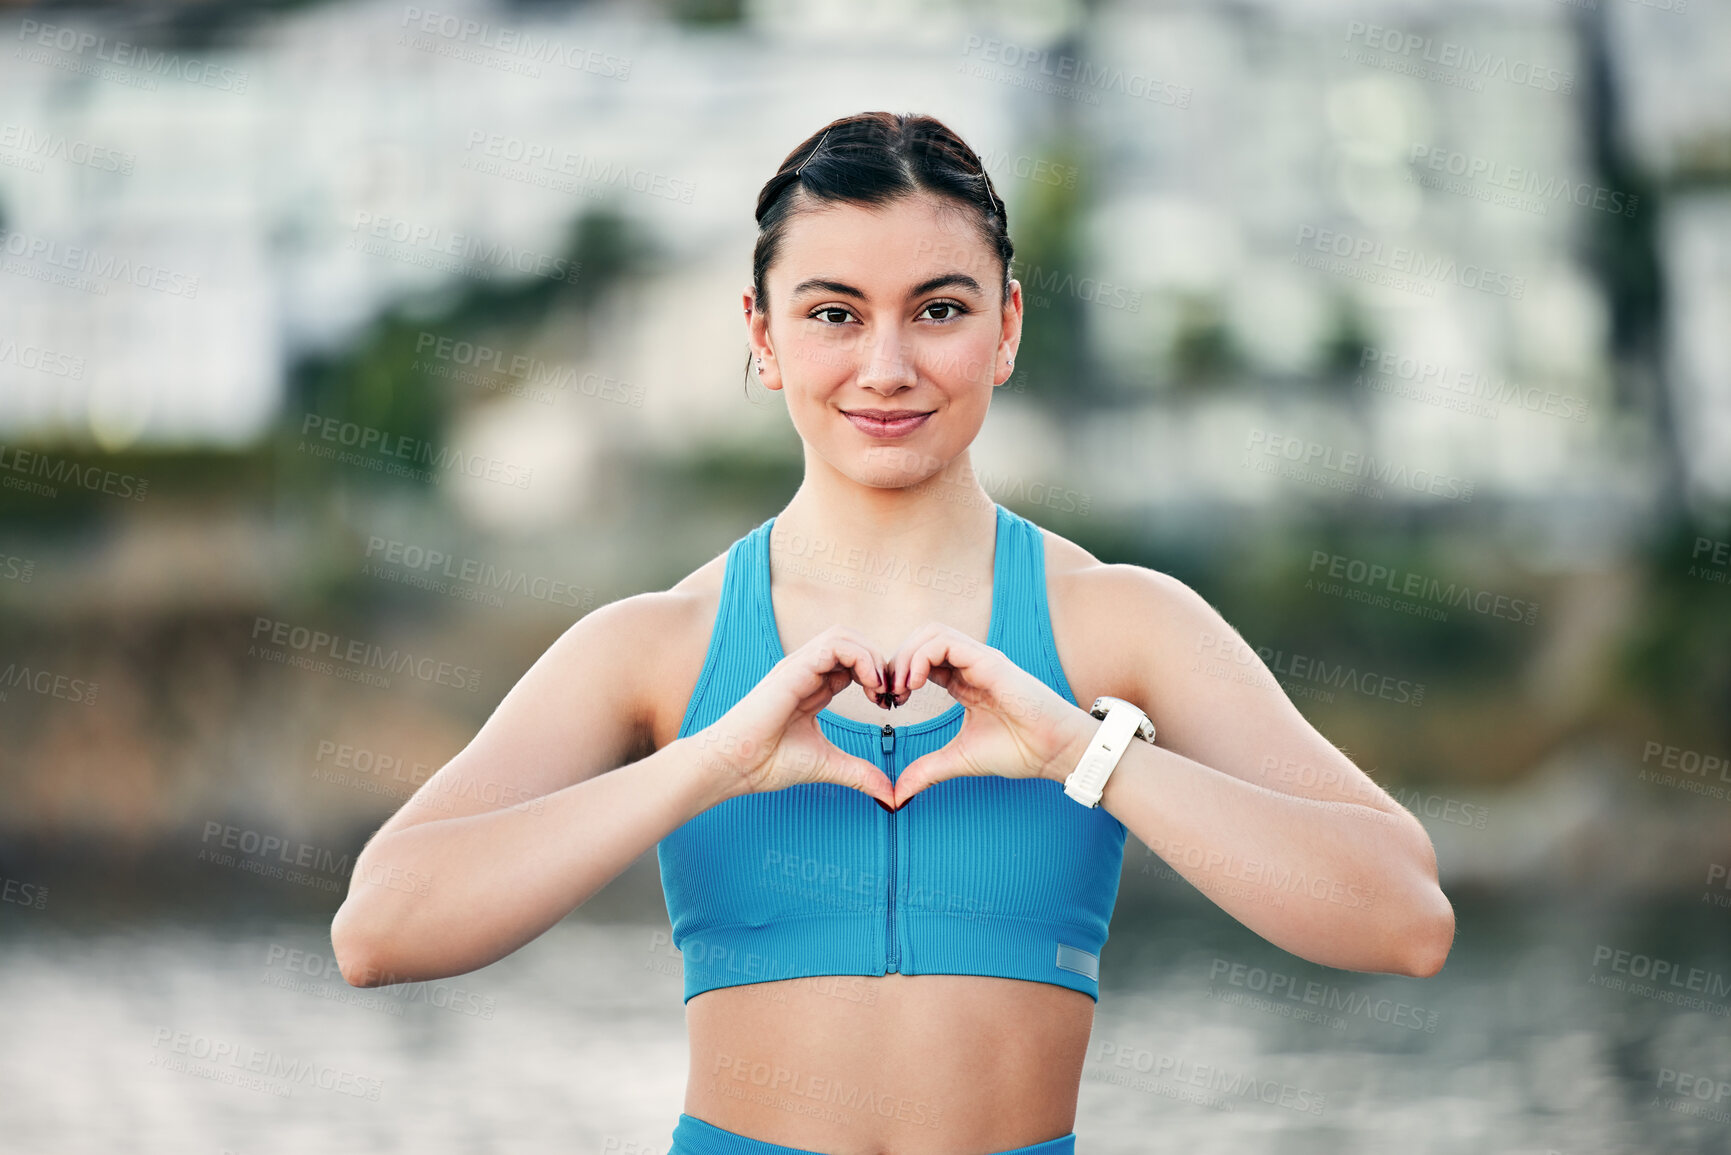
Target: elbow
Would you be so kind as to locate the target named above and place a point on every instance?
(356, 953)
(1425, 941)
(1427, 933)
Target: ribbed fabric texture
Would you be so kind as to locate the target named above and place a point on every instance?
(974, 876)
(693, 1136)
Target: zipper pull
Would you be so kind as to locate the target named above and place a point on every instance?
(888, 738)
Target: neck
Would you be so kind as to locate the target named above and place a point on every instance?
(946, 520)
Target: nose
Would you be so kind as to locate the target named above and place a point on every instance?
(886, 364)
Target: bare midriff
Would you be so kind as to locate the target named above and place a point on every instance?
(881, 1064)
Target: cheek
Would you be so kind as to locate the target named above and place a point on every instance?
(822, 356)
(961, 361)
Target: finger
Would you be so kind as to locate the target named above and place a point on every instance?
(826, 667)
(928, 770)
(949, 651)
(867, 778)
(884, 695)
(912, 644)
(839, 641)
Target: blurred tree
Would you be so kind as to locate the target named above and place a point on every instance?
(376, 382)
(1623, 251)
(1055, 358)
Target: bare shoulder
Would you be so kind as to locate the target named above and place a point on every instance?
(650, 648)
(660, 639)
(674, 639)
(1114, 622)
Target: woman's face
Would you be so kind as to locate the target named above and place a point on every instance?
(893, 309)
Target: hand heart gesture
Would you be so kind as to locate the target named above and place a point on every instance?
(1013, 724)
(770, 739)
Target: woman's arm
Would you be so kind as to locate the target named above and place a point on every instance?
(1245, 799)
(539, 812)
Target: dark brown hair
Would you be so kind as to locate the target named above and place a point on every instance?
(871, 158)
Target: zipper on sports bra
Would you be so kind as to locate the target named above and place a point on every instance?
(893, 960)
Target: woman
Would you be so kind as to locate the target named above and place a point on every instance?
(849, 737)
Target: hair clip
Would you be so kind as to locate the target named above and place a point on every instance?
(812, 153)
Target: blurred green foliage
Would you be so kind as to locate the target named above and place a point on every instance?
(380, 382)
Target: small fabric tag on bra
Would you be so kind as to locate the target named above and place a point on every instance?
(1071, 958)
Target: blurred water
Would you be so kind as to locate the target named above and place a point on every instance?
(144, 1041)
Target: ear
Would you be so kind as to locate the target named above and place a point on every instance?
(757, 334)
(1010, 335)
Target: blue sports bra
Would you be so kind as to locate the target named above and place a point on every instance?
(973, 876)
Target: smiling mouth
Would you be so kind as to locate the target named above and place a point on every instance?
(887, 423)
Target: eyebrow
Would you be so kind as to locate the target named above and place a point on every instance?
(840, 288)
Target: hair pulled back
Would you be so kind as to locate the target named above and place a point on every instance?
(872, 158)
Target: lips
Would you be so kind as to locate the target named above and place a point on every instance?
(887, 422)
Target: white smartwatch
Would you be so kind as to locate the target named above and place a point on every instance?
(1123, 721)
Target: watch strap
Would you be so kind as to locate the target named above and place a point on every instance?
(1088, 780)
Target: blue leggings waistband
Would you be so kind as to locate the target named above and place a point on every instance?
(692, 1136)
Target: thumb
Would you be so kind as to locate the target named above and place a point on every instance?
(866, 777)
(928, 770)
